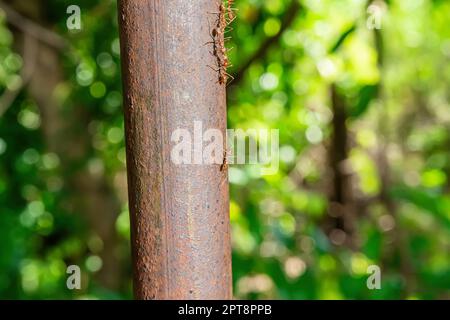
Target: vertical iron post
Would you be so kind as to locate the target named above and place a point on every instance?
(180, 233)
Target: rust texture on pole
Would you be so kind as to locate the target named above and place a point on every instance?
(180, 228)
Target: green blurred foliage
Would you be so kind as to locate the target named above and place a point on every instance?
(398, 110)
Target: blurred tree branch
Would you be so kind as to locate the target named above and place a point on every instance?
(32, 32)
(32, 28)
(384, 170)
(30, 48)
(290, 15)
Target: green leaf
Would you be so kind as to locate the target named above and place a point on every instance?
(366, 95)
(342, 38)
(436, 204)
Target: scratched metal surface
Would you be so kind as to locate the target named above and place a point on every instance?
(179, 213)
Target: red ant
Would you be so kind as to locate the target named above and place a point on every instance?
(223, 75)
(224, 165)
(230, 9)
(218, 40)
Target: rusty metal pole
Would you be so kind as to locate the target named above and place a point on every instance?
(179, 213)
